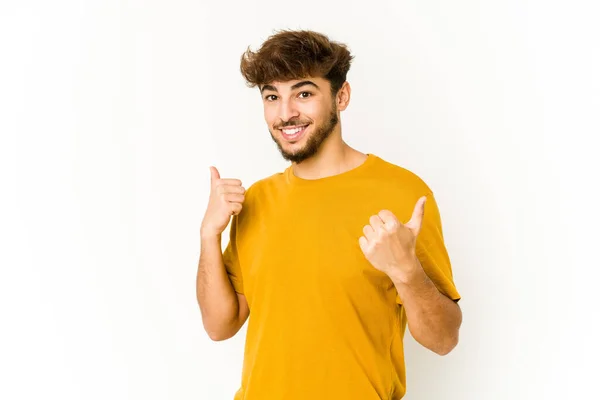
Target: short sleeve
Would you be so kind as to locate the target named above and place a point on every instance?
(432, 253)
(231, 259)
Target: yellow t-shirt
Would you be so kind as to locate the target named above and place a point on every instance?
(324, 323)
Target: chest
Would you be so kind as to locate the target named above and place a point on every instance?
(309, 243)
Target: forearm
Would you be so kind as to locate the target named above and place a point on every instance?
(217, 299)
(433, 318)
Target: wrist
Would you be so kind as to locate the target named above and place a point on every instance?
(409, 273)
(207, 236)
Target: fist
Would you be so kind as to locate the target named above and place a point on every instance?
(226, 198)
(390, 245)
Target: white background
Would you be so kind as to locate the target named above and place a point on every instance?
(111, 113)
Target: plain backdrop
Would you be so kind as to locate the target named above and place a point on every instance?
(111, 113)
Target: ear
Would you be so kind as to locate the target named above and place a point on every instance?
(343, 96)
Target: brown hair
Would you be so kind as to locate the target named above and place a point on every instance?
(288, 55)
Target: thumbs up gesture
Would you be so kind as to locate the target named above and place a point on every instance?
(389, 245)
(226, 198)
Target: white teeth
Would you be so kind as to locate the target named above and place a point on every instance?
(292, 131)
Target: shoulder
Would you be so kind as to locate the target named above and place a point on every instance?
(261, 186)
(259, 196)
(261, 193)
(402, 177)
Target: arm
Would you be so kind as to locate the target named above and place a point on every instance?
(420, 273)
(433, 319)
(223, 310)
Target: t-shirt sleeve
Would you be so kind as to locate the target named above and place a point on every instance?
(231, 259)
(431, 251)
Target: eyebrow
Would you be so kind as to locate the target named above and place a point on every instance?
(295, 86)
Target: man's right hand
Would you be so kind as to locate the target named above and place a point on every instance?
(226, 198)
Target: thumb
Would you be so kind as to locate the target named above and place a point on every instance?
(417, 217)
(214, 175)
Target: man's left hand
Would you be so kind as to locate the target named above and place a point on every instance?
(389, 245)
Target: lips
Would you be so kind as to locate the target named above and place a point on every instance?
(293, 133)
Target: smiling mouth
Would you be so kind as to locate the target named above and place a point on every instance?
(293, 133)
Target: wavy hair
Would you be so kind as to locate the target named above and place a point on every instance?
(288, 55)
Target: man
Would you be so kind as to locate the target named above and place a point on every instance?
(333, 257)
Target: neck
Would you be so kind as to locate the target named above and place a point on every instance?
(334, 157)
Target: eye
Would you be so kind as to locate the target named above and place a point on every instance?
(308, 94)
(268, 97)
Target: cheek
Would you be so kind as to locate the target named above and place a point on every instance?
(315, 111)
(271, 120)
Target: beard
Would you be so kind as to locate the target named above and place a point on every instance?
(313, 142)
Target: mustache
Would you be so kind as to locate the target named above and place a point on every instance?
(291, 123)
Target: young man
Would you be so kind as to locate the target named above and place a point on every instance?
(333, 257)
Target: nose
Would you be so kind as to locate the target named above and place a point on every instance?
(287, 110)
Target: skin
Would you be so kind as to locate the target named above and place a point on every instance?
(223, 310)
(390, 246)
(320, 152)
(433, 319)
